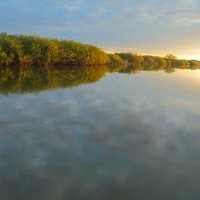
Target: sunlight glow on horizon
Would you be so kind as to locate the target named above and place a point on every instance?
(189, 57)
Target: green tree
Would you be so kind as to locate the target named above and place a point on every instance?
(171, 57)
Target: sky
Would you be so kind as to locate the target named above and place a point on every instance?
(154, 27)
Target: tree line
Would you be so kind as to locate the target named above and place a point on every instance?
(25, 50)
(148, 60)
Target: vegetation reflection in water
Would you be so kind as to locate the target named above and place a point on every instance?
(35, 79)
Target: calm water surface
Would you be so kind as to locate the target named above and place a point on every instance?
(124, 137)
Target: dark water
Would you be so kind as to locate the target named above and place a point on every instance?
(121, 137)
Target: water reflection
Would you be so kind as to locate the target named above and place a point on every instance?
(125, 137)
(32, 79)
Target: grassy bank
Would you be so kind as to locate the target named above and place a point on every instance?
(22, 50)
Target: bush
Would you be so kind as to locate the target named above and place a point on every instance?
(33, 50)
(181, 63)
(149, 60)
(115, 59)
(194, 64)
(161, 61)
(131, 58)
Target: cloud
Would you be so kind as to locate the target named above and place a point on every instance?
(145, 25)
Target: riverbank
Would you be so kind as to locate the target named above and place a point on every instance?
(24, 50)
